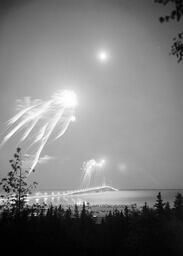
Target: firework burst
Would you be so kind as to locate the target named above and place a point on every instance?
(37, 120)
(90, 171)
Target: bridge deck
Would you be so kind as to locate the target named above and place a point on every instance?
(73, 192)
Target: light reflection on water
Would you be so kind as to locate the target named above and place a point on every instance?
(123, 197)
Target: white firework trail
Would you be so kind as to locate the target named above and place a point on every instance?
(90, 169)
(39, 120)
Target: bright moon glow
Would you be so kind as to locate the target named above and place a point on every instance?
(103, 56)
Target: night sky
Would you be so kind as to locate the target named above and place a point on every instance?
(129, 106)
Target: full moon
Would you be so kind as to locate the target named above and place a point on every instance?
(103, 56)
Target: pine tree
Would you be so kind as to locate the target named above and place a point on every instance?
(60, 211)
(178, 205)
(167, 209)
(83, 212)
(15, 185)
(68, 215)
(145, 209)
(76, 212)
(159, 205)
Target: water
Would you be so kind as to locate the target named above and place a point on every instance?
(122, 197)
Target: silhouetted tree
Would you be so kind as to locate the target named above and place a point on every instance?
(167, 209)
(159, 205)
(60, 211)
(76, 212)
(15, 185)
(83, 212)
(175, 14)
(178, 205)
(50, 211)
(68, 214)
(145, 209)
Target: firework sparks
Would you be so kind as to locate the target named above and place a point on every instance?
(39, 120)
(90, 169)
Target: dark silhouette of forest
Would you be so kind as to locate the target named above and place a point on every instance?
(57, 230)
(145, 231)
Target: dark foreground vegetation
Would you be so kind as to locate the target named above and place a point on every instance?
(157, 231)
(58, 231)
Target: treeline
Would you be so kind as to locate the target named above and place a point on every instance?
(133, 231)
(58, 231)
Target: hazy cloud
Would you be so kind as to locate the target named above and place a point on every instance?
(46, 158)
